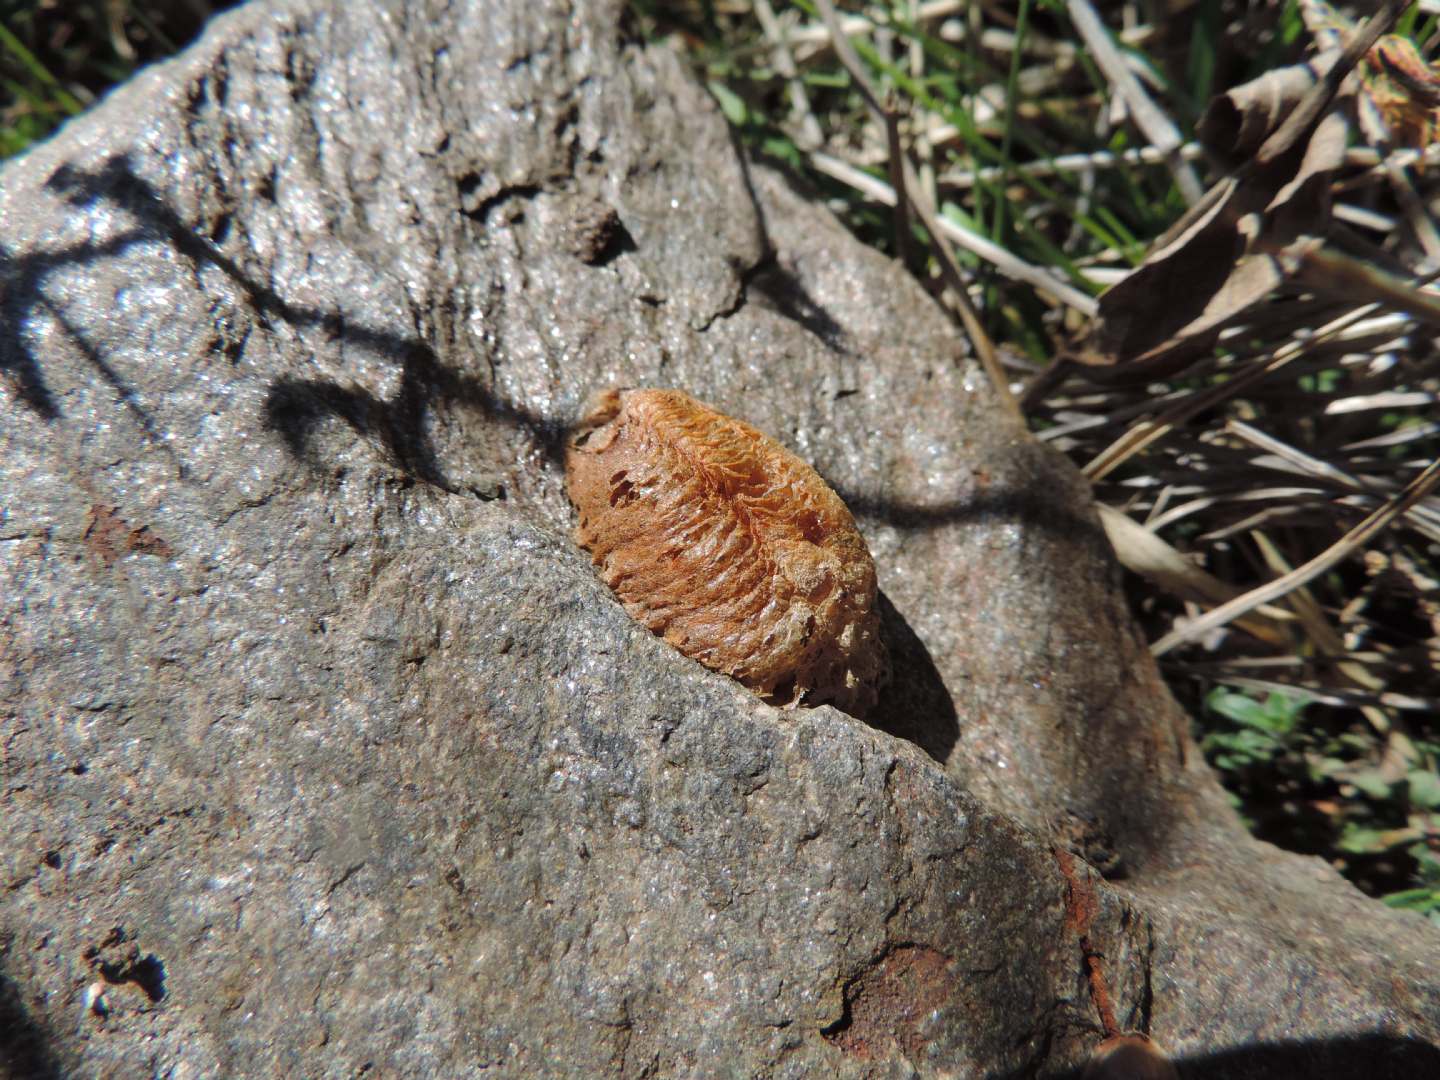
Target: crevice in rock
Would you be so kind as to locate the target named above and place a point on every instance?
(1081, 907)
(120, 965)
(478, 207)
(146, 972)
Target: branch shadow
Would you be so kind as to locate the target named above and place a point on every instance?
(293, 407)
(771, 283)
(23, 279)
(1036, 510)
(782, 292)
(916, 707)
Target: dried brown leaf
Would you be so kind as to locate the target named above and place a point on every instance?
(1234, 247)
(1142, 552)
(1236, 123)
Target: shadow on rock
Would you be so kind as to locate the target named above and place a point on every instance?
(780, 290)
(24, 1043)
(1375, 1057)
(1037, 510)
(295, 407)
(915, 706)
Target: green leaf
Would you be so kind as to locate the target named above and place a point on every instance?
(1359, 840)
(1414, 899)
(1372, 783)
(16, 48)
(1238, 707)
(1424, 788)
(730, 103)
(1428, 860)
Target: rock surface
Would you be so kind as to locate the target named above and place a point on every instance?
(325, 753)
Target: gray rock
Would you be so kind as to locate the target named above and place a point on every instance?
(326, 754)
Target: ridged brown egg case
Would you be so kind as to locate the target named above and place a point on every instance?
(729, 547)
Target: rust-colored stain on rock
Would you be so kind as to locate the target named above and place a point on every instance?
(888, 1004)
(729, 546)
(109, 537)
